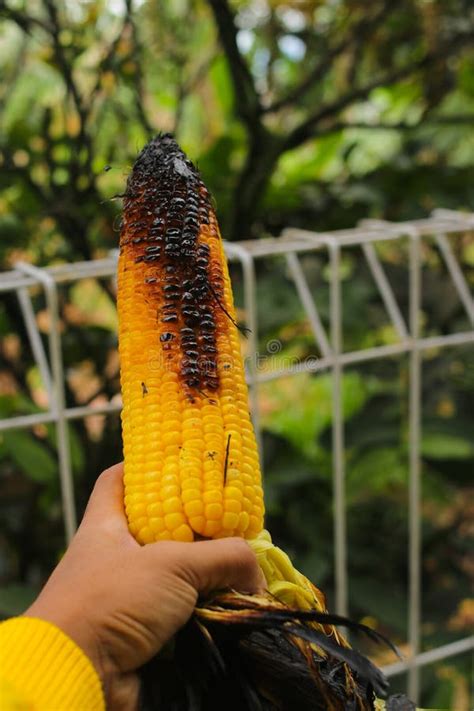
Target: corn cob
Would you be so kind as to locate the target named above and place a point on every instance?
(191, 462)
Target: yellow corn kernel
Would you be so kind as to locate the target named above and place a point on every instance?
(157, 524)
(212, 497)
(211, 528)
(214, 512)
(171, 438)
(232, 506)
(172, 505)
(230, 520)
(244, 520)
(169, 491)
(146, 535)
(183, 533)
(194, 508)
(174, 520)
(198, 524)
(191, 460)
(190, 495)
(155, 509)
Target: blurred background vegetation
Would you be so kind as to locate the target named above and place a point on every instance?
(312, 113)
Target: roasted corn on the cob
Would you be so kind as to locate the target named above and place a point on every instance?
(191, 461)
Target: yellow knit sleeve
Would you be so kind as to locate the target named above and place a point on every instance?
(42, 669)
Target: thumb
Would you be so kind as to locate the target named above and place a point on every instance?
(223, 563)
(106, 501)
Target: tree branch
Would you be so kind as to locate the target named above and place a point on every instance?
(186, 86)
(24, 21)
(106, 62)
(247, 100)
(305, 130)
(454, 120)
(62, 61)
(359, 32)
(83, 140)
(139, 77)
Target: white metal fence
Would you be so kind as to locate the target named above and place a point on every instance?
(290, 245)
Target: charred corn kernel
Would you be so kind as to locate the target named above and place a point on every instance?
(191, 461)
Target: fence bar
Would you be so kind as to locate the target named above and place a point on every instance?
(431, 656)
(464, 220)
(366, 355)
(296, 271)
(385, 290)
(414, 484)
(62, 436)
(457, 276)
(250, 305)
(11, 281)
(340, 533)
(36, 343)
(43, 418)
(312, 366)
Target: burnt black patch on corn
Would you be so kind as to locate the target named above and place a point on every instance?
(167, 208)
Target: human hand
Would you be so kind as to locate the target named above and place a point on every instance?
(121, 602)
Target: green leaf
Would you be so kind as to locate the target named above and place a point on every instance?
(370, 596)
(376, 471)
(441, 445)
(75, 445)
(31, 456)
(300, 408)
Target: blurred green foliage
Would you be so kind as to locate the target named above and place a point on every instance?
(312, 114)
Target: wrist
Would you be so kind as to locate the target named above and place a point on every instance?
(81, 632)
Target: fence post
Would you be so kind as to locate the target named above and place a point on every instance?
(58, 405)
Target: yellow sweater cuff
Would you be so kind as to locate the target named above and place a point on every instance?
(42, 669)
